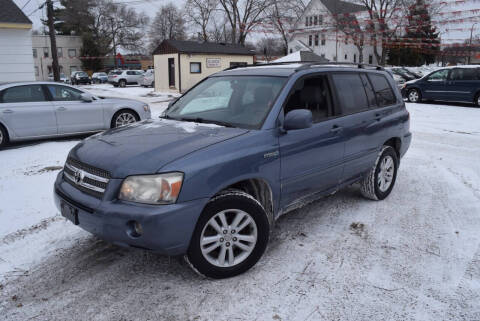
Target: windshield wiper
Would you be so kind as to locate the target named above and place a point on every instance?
(207, 121)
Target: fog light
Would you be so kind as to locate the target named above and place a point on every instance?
(135, 229)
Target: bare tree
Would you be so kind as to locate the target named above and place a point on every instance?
(199, 13)
(167, 24)
(243, 16)
(282, 15)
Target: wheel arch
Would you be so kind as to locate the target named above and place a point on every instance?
(396, 143)
(259, 189)
(6, 129)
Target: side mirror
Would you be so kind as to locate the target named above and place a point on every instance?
(298, 119)
(86, 97)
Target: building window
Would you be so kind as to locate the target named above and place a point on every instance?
(346, 57)
(291, 50)
(306, 21)
(320, 19)
(195, 67)
(323, 39)
(310, 40)
(346, 39)
(311, 20)
(354, 57)
(60, 52)
(50, 70)
(72, 53)
(370, 59)
(34, 53)
(45, 52)
(315, 20)
(316, 40)
(36, 71)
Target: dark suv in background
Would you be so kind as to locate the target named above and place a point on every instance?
(234, 153)
(455, 84)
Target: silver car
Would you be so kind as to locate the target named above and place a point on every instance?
(31, 110)
(148, 79)
(122, 78)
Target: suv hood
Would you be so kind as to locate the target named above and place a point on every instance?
(145, 147)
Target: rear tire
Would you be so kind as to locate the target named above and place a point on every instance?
(414, 96)
(379, 181)
(230, 236)
(122, 83)
(477, 100)
(3, 137)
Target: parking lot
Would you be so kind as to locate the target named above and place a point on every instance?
(413, 256)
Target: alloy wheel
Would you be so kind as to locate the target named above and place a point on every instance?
(228, 238)
(124, 119)
(385, 175)
(413, 96)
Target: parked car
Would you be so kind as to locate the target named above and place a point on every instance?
(232, 155)
(122, 78)
(63, 78)
(80, 77)
(32, 110)
(148, 79)
(99, 77)
(403, 73)
(458, 84)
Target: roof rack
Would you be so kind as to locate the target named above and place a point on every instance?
(310, 64)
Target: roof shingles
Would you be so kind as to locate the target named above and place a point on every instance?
(10, 13)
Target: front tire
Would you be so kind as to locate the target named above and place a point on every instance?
(3, 137)
(123, 118)
(477, 100)
(122, 83)
(414, 96)
(379, 181)
(230, 236)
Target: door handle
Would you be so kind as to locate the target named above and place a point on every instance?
(8, 111)
(336, 129)
(61, 108)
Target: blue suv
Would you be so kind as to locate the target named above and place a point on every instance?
(234, 153)
(455, 84)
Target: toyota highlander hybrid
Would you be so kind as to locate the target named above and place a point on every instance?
(242, 147)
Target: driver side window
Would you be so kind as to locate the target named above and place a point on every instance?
(312, 94)
(63, 93)
(440, 75)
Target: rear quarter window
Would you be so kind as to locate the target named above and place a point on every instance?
(351, 92)
(383, 90)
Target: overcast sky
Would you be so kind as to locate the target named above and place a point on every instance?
(150, 7)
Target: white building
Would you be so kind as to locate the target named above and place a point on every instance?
(16, 62)
(68, 51)
(319, 29)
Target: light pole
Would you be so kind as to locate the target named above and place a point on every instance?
(471, 38)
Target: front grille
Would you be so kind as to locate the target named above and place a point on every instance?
(88, 179)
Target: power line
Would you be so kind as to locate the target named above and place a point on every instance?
(25, 4)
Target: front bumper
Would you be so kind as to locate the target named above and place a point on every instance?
(167, 229)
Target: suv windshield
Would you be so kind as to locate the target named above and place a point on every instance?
(102, 74)
(82, 74)
(238, 101)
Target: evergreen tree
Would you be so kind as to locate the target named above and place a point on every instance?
(420, 44)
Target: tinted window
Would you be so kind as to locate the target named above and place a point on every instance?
(383, 91)
(312, 94)
(63, 93)
(464, 74)
(372, 101)
(351, 92)
(115, 72)
(22, 94)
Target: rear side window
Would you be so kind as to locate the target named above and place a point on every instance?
(464, 74)
(351, 92)
(21, 94)
(383, 91)
(372, 100)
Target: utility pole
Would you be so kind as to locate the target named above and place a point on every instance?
(471, 38)
(53, 41)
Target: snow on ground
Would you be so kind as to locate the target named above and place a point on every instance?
(413, 256)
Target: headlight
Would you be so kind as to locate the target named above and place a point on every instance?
(152, 189)
(146, 108)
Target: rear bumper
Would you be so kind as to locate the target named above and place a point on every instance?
(167, 229)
